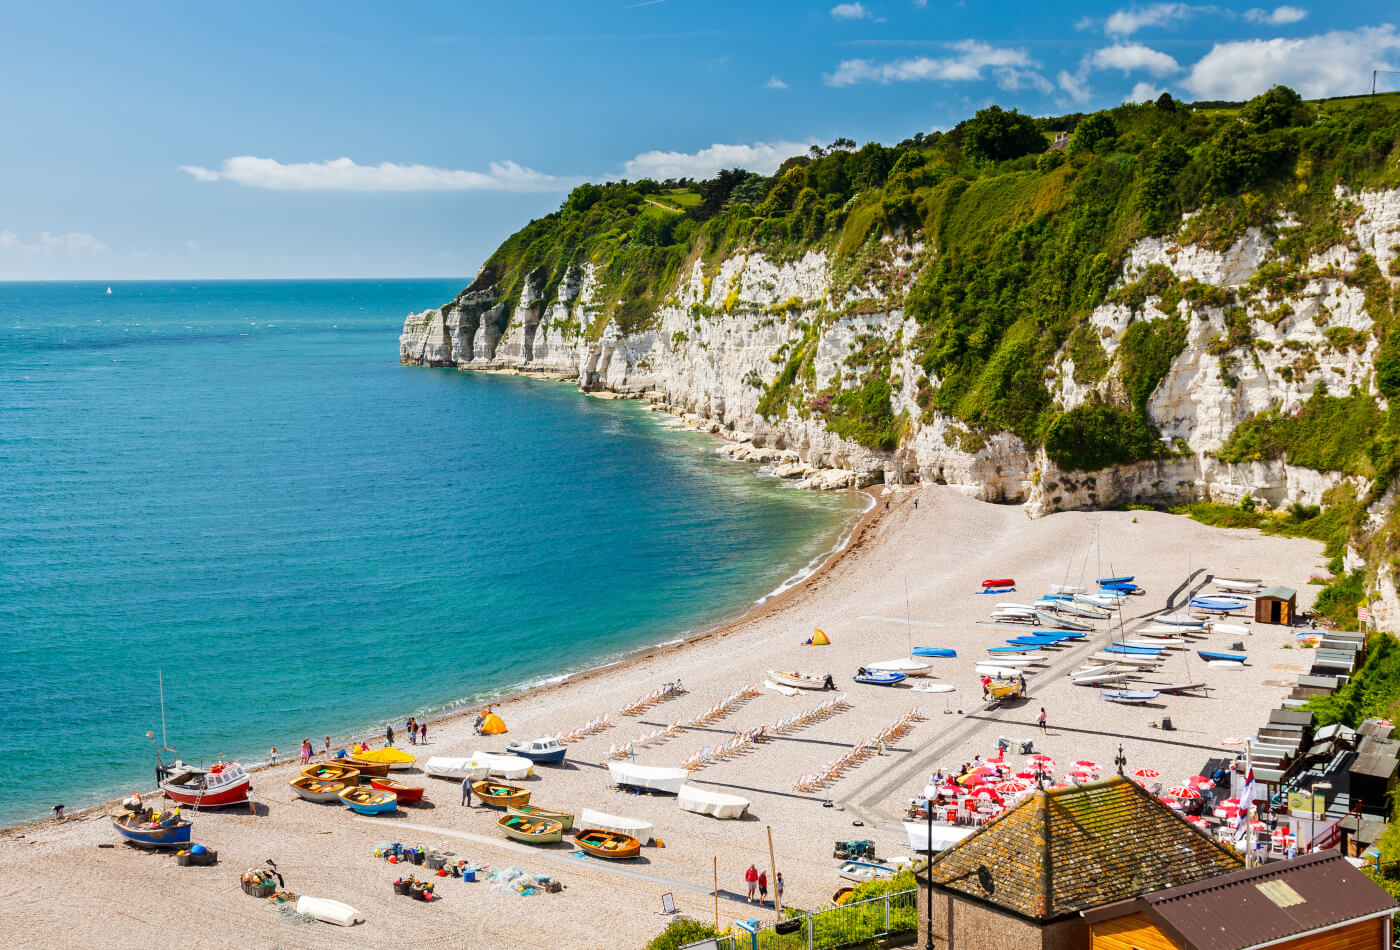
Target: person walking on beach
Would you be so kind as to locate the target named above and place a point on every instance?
(422, 733)
(778, 890)
(751, 879)
(1041, 719)
(916, 502)
(1025, 690)
(306, 751)
(389, 735)
(762, 888)
(328, 749)
(467, 791)
(272, 756)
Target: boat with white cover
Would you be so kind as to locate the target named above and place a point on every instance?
(643, 831)
(907, 667)
(1246, 584)
(996, 672)
(718, 804)
(440, 766)
(505, 766)
(1238, 629)
(328, 911)
(1179, 620)
(653, 777)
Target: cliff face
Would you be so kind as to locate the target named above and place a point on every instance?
(721, 341)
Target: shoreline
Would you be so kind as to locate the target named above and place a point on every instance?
(851, 537)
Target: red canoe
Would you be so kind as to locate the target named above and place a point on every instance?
(407, 794)
(1004, 582)
(213, 787)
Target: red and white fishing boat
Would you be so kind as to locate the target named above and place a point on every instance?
(214, 787)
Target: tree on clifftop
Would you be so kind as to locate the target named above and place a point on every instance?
(997, 135)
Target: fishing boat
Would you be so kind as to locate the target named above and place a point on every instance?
(512, 767)
(1179, 620)
(214, 787)
(944, 652)
(546, 750)
(369, 801)
(1213, 655)
(328, 911)
(644, 831)
(395, 759)
(878, 677)
(1130, 696)
(531, 830)
(318, 790)
(500, 795)
(651, 777)
(366, 768)
(907, 667)
(863, 871)
(608, 844)
(1073, 626)
(716, 804)
(530, 811)
(147, 829)
(406, 794)
(332, 772)
(803, 680)
(457, 768)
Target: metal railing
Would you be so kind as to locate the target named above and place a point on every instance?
(827, 929)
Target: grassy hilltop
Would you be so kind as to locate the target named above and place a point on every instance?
(1025, 241)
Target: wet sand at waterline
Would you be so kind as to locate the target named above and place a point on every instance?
(62, 890)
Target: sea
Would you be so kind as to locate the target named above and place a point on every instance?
(233, 495)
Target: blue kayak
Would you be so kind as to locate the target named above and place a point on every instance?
(1128, 579)
(1137, 651)
(879, 677)
(1013, 649)
(1124, 587)
(934, 651)
(1035, 642)
(1062, 634)
(1219, 603)
(1211, 655)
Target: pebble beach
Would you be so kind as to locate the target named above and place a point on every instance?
(908, 577)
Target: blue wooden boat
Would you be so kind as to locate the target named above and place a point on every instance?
(1139, 651)
(934, 651)
(1127, 579)
(879, 677)
(138, 829)
(1212, 655)
(1128, 695)
(1036, 638)
(1222, 604)
(369, 801)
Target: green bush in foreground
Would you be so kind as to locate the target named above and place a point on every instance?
(678, 933)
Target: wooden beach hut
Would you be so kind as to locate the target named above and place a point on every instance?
(1276, 605)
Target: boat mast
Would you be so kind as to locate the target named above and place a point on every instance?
(163, 740)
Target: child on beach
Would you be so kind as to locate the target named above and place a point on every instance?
(306, 750)
(272, 756)
(751, 879)
(422, 733)
(1041, 719)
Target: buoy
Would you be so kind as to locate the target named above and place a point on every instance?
(393, 859)
(442, 872)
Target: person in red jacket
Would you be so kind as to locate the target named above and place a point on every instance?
(762, 887)
(751, 879)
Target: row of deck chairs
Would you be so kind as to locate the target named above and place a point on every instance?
(660, 694)
(593, 726)
(858, 753)
(744, 741)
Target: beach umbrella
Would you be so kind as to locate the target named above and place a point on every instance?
(1079, 774)
(1227, 812)
(1147, 773)
(985, 793)
(1232, 740)
(1028, 775)
(1232, 803)
(1087, 765)
(972, 781)
(1012, 786)
(1200, 782)
(1184, 792)
(983, 770)
(1257, 825)
(1041, 757)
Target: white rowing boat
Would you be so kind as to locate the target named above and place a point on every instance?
(328, 911)
(907, 667)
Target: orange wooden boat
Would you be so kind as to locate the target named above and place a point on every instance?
(608, 844)
(501, 795)
(332, 772)
(367, 769)
(407, 794)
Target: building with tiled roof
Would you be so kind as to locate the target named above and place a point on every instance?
(1024, 879)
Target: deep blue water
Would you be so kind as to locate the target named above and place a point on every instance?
(238, 484)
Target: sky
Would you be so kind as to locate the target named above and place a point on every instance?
(253, 140)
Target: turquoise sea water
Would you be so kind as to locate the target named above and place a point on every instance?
(237, 483)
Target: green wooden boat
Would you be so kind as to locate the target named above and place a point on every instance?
(531, 811)
(531, 830)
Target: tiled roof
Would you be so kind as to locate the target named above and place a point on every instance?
(1067, 850)
(1278, 900)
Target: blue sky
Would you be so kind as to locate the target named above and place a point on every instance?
(373, 139)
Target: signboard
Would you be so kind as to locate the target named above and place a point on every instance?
(1307, 805)
(1362, 614)
(668, 904)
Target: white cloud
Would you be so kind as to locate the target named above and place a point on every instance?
(1129, 21)
(1131, 57)
(343, 174)
(775, 83)
(971, 59)
(850, 11)
(1278, 16)
(1075, 85)
(1328, 64)
(761, 157)
(1014, 80)
(74, 243)
(1144, 92)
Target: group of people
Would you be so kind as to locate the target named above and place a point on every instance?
(757, 882)
(417, 732)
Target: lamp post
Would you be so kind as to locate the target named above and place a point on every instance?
(928, 879)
